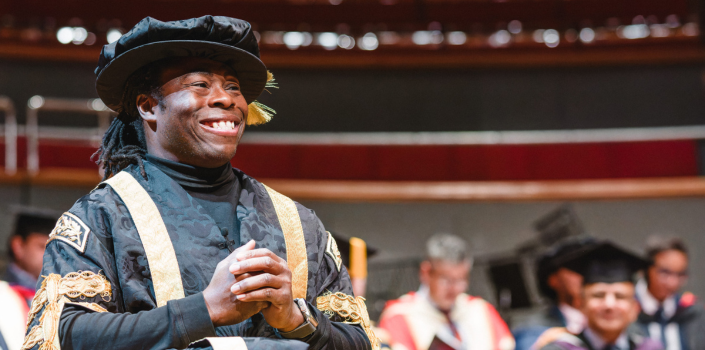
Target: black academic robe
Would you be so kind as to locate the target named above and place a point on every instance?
(529, 330)
(637, 341)
(690, 318)
(102, 239)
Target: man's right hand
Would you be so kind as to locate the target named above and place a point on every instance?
(223, 306)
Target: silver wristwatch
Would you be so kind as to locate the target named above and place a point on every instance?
(306, 328)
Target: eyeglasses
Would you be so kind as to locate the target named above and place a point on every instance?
(665, 273)
(447, 281)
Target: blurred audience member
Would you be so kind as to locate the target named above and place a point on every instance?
(13, 316)
(667, 315)
(440, 315)
(563, 289)
(31, 229)
(353, 255)
(609, 302)
(30, 233)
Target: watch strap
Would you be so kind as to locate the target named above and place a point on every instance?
(306, 328)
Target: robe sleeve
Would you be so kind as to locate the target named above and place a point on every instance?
(79, 301)
(79, 304)
(334, 332)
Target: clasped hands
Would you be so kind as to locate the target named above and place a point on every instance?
(249, 281)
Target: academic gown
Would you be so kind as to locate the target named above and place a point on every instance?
(689, 316)
(526, 333)
(637, 341)
(97, 275)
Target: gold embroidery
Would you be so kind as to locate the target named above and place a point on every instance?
(52, 295)
(71, 230)
(352, 309)
(296, 257)
(161, 258)
(333, 252)
(85, 284)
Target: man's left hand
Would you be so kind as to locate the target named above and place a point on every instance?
(261, 275)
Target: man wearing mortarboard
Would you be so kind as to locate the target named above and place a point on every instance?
(175, 248)
(563, 290)
(609, 302)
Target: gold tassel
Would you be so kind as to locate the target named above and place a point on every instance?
(258, 113)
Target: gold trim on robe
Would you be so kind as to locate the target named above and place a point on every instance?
(352, 309)
(52, 295)
(161, 258)
(296, 257)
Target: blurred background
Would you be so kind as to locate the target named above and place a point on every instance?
(511, 123)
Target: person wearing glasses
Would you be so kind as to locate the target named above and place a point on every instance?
(440, 316)
(668, 315)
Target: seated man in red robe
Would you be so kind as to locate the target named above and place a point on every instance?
(440, 315)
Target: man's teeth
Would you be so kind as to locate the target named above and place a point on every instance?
(223, 125)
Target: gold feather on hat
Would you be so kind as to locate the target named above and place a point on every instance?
(258, 113)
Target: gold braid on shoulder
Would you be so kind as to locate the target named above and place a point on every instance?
(53, 295)
(350, 308)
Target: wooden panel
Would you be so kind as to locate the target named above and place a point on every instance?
(394, 191)
(372, 191)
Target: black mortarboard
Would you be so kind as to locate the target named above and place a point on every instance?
(227, 40)
(604, 262)
(344, 248)
(550, 261)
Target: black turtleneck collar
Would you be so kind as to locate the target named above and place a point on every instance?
(195, 178)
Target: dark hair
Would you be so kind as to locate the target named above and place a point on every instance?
(31, 222)
(658, 244)
(551, 261)
(124, 142)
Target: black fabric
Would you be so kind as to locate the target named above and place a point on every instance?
(550, 261)
(193, 178)
(133, 321)
(603, 262)
(637, 341)
(343, 244)
(215, 189)
(222, 39)
(691, 322)
(528, 330)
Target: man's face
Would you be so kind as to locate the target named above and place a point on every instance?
(202, 115)
(668, 274)
(445, 280)
(29, 252)
(610, 307)
(568, 286)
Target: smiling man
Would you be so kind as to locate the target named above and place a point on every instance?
(176, 249)
(609, 301)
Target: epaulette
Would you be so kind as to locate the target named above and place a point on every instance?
(71, 230)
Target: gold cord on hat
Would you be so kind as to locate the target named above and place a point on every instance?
(258, 113)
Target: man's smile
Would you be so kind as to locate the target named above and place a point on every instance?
(222, 127)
